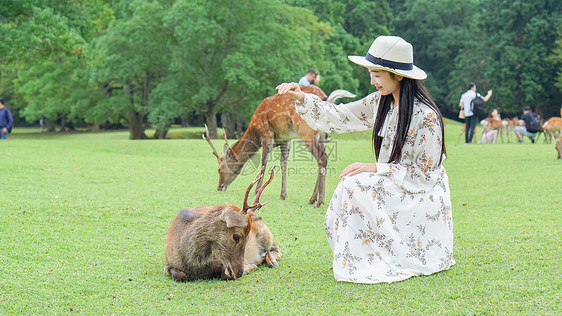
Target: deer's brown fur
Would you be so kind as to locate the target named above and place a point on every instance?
(552, 128)
(274, 123)
(559, 146)
(219, 241)
(490, 123)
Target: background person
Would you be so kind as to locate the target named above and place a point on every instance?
(390, 220)
(529, 125)
(471, 118)
(6, 120)
(309, 78)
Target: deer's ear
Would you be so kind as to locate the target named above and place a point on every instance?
(226, 151)
(233, 218)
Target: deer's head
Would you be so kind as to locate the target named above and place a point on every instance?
(230, 164)
(238, 224)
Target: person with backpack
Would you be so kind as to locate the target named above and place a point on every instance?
(473, 104)
(6, 120)
(529, 125)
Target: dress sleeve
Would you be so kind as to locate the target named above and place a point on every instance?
(336, 119)
(425, 171)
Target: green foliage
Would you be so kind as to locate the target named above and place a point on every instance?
(229, 55)
(509, 53)
(132, 55)
(556, 59)
(153, 62)
(440, 30)
(45, 43)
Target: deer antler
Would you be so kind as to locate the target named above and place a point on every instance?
(226, 141)
(208, 139)
(245, 207)
(257, 205)
(257, 200)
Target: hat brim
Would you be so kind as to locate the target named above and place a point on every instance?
(415, 73)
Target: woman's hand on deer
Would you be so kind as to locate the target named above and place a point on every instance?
(358, 167)
(292, 89)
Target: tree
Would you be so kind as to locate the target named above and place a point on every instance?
(44, 41)
(510, 53)
(439, 30)
(356, 24)
(130, 59)
(229, 54)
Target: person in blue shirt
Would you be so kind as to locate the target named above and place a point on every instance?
(309, 78)
(6, 120)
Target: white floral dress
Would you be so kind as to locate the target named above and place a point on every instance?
(395, 223)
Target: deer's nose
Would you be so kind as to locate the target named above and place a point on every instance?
(240, 273)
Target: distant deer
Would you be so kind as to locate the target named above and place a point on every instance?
(274, 123)
(219, 241)
(559, 146)
(552, 127)
(489, 124)
(463, 129)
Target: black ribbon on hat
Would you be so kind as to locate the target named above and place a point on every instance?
(388, 63)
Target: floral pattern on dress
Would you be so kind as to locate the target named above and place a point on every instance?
(395, 223)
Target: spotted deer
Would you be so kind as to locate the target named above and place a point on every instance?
(489, 124)
(219, 241)
(551, 128)
(274, 123)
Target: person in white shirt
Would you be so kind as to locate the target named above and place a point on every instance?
(471, 119)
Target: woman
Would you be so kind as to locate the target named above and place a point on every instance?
(389, 220)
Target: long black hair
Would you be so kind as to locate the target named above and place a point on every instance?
(410, 89)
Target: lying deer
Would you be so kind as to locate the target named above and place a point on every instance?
(274, 123)
(219, 241)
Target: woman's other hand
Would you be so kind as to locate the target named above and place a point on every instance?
(358, 167)
(292, 89)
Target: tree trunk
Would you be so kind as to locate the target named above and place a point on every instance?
(49, 125)
(211, 118)
(239, 127)
(229, 125)
(63, 123)
(135, 120)
(136, 125)
(161, 133)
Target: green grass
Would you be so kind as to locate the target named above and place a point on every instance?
(83, 219)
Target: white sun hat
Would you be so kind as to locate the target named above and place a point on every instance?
(391, 53)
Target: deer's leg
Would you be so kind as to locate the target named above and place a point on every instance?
(271, 262)
(271, 257)
(285, 146)
(501, 134)
(319, 152)
(249, 267)
(177, 275)
(266, 147)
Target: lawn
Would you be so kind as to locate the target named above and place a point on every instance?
(83, 219)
